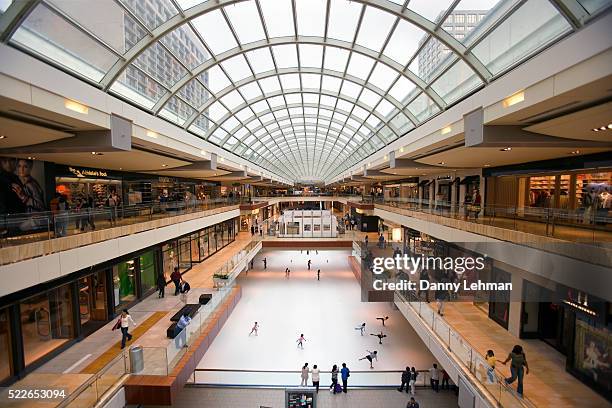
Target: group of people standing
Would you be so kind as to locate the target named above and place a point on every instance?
(335, 387)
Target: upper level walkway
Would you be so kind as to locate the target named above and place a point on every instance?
(26, 236)
(548, 384)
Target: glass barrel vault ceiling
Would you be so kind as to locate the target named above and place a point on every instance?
(303, 88)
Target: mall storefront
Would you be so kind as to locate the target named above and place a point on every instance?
(580, 188)
(576, 324)
(38, 323)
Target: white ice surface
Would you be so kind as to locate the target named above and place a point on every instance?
(326, 311)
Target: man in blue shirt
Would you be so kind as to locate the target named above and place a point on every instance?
(181, 325)
(345, 373)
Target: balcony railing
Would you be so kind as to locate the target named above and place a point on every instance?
(579, 225)
(18, 229)
(463, 351)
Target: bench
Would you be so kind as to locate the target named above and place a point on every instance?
(205, 298)
(191, 309)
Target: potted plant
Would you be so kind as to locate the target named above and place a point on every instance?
(220, 279)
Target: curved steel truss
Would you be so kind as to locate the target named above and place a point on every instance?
(304, 88)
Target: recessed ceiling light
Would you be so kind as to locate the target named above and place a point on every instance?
(514, 99)
(120, 168)
(602, 128)
(2, 137)
(445, 130)
(93, 152)
(152, 134)
(76, 107)
(609, 125)
(505, 149)
(487, 165)
(215, 174)
(441, 163)
(164, 165)
(595, 130)
(575, 152)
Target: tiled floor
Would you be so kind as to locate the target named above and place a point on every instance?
(275, 398)
(548, 384)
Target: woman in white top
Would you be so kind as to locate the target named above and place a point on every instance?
(315, 377)
(305, 372)
(125, 319)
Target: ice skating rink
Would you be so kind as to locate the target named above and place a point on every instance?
(326, 311)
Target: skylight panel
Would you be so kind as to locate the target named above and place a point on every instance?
(344, 16)
(360, 65)
(278, 16)
(374, 28)
(311, 17)
(245, 21)
(215, 31)
(286, 55)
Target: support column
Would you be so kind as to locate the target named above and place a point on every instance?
(436, 189)
(420, 189)
(432, 194)
(516, 308)
(482, 190)
(462, 209)
(453, 197)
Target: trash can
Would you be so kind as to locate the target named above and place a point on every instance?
(136, 359)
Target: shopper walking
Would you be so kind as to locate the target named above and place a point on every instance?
(318, 274)
(309, 262)
(124, 323)
(254, 329)
(334, 377)
(345, 373)
(300, 341)
(405, 380)
(305, 372)
(161, 285)
(445, 380)
(265, 262)
(379, 335)
(176, 279)
(491, 360)
(366, 241)
(434, 378)
(518, 367)
(316, 377)
(383, 319)
(413, 377)
(361, 328)
(371, 356)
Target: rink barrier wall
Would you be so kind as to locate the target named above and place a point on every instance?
(301, 244)
(162, 390)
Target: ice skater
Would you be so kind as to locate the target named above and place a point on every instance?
(371, 356)
(309, 262)
(380, 336)
(300, 341)
(254, 329)
(318, 274)
(265, 262)
(383, 319)
(361, 328)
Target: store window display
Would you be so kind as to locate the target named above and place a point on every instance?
(124, 283)
(146, 263)
(594, 196)
(46, 322)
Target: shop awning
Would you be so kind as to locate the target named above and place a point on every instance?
(470, 180)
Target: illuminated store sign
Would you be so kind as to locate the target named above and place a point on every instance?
(87, 172)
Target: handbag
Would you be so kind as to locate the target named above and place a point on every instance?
(117, 325)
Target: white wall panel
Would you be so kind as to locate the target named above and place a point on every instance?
(45, 268)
